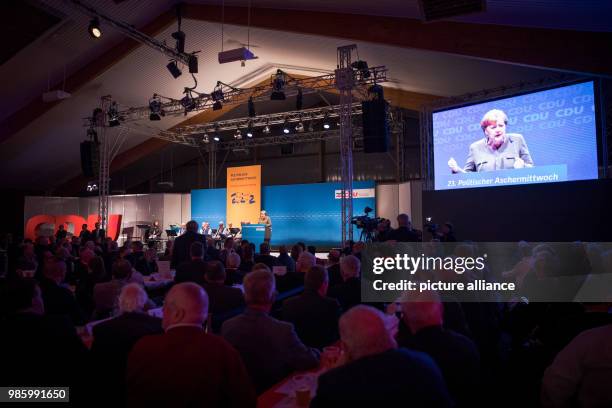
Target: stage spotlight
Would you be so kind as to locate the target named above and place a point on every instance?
(188, 102)
(250, 129)
(217, 106)
(179, 36)
(249, 134)
(113, 115)
(217, 93)
(278, 86)
(94, 28)
(216, 138)
(362, 67)
(251, 107)
(286, 128)
(266, 129)
(311, 126)
(326, 121)
(155, 105)
(174, 69)
(299, 100)
(205, 139)
(299, 127)
(238, 134)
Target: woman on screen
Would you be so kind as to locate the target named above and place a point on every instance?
(497, 150)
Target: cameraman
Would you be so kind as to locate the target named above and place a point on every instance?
(404, 231)
(383, 229)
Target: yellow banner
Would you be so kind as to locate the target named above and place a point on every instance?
(243, 195)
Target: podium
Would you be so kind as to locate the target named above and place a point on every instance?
(254, 233)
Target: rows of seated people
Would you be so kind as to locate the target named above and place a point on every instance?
(232, 328)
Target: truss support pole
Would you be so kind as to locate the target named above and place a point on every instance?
(345, 82)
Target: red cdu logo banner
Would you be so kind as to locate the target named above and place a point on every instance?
(113, 228)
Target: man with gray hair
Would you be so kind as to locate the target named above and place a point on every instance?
(186, 366)
(114, 338)
(348, 293)
(374, 369)
(270, 348)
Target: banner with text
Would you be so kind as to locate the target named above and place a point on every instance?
(243, 195)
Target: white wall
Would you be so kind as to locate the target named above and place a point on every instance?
(394, 199)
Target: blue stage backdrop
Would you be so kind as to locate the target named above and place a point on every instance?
(300, 212)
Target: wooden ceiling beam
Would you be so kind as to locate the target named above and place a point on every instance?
(563, 50)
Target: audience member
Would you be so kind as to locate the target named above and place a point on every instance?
(333, 268)
(58, 299)
(404, 231)
(284, 259)
(456, 355)
(265, 257)
(147, 264)
(114, 338)
(305, 262)
(314, 315)
(194, 269)
(182, 244)
(105, 294)
(580, 374)
(348, 292)
(270, 348)
(186, 366)
(222, 298)
(374, 369)
(39, 350)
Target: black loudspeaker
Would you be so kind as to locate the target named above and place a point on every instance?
(90, 159)
(375, 126)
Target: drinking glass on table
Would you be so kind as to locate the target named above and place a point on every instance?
(302, 385)
(330, 357)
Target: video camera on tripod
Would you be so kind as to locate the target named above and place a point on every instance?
(366, 224)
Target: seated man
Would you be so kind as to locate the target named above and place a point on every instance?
(265, 257)
(270, 348)
(186, 366)
(222, 298)
(348, 293)
(38, 350)
(314, 315)
(106, 293)
(375, 370)
(455, 354)
(113, 340)
(580, 374)
(194, 269)
(58, 299)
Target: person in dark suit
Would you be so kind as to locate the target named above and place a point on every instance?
(58, 299)
(97, 233)
(404, 231)
(84, 235)
(455, 354)
(194, 269)
(113, 340)
(61, 233)
(270, 348)
(265, 257)
(221, 298)
(186, 367)
(314, 315)
(182, 244)
(372, 368)
(348, 292)
(333, 268)
(38, 350)
(284, 259)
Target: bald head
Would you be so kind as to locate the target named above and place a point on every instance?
(186, 303)
(132, 298)
(363, 332)
(422, 309)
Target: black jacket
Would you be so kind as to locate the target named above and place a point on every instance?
(315, 318)
(182, 244)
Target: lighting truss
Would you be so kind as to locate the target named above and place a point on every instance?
(237, 96)
(200, 135)
(130, 31)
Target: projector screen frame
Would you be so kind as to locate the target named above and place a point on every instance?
(505, 92)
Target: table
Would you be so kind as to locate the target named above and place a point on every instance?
(274, 398)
